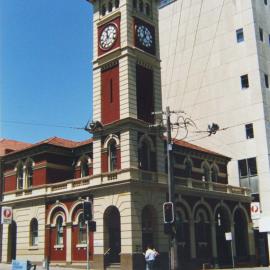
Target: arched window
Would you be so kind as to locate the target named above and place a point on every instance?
(141, 6)
(84, 168)
(20, 176)
(110, 7)
(112, 156)
(34, 232)
(206, 172)
(116, 3)
(214, 174)
(188, 168)
(29, 174)
(60, 231)
(103, 10)
(144, 156)
(147, 9)
(81, 230)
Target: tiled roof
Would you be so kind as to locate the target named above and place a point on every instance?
(53, 141)
(196, 147)
(8, 146)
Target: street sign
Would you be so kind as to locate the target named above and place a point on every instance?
(19, 265)
(228, 236)
(255, 210)
(6, 215)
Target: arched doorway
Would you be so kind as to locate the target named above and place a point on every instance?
(182, 234)
(203, 235)
(12, 241)
(223, 225)
(112, 235)
(148, 226)
(241, 235)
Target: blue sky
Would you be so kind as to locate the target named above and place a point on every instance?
(45, 69)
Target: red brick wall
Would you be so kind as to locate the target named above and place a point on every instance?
(10, 183)
(104, 162)
(39, 177)
(110, 103)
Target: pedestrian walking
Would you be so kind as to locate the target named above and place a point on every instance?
(150, 256)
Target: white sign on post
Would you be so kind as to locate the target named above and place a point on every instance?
(228, 236)
(255, 210)
(6, 215)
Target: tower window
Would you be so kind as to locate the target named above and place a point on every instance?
(103, 10)
(116, 3)
(29, 174)
(206, 172)
(266, 81)
(247, 167)
(214, 174)
(144, 156)
(244, 81)
(261, 34)
(34, 232)
(240, 35)
(110, 6)
(249, 131)
(112, 156)
(84, 168)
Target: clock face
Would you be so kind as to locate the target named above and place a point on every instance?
(108, 37)
(144, 36)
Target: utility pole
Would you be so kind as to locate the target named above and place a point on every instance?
(173, 258)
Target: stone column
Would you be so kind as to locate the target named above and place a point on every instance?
(192, 240)
(69, 242)
(214, 242)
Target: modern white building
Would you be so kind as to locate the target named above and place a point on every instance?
(216, 67)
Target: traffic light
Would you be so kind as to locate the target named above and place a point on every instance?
(87, 211)
(92, 226)
(168, 212)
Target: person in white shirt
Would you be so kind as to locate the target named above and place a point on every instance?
(150, 256)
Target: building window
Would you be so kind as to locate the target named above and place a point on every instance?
(20, 176)
(103, 10)
(34, 232)
(29, 174)
(84, 168)
(60, 231)
(206, 172)
(188, 169)
(244, 81)
(266, 81)
(82, 230)
(249, 131)
(116, 3)
(147, 9)
(214, 174)
(112, 156)
(141, 6)
(145, 156)
(261, 34)
(240, 35)
(247, 167)
(110, 7)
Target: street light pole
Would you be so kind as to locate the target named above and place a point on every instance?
(173, 259)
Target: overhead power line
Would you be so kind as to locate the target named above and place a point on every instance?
(39, 124)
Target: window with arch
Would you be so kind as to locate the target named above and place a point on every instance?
(141, 6)
(81, 230)
(84, 168)
(59, 231)
(110, 6)
(202, 233)
(206, 172)
(34, 232)
(188, 168)
(144, 157)
(29, 174)
(20, 176)
(147, 9)
(112, 154)
(214, 174)
(116, 3)
(103, 10)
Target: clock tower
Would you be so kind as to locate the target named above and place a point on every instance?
(127, 153)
